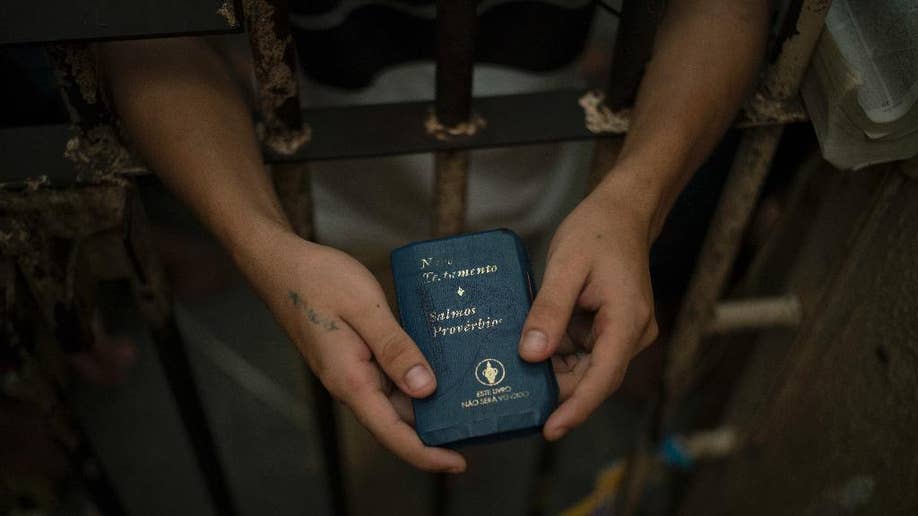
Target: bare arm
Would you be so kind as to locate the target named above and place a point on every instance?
(706, 55)
(189, 120)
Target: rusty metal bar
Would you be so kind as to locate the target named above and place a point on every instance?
(281, 125)
(757, 313)
(637, 27)
(291, 180)
(170, 347)
(283, 133)
(345, 132)
(450, 194)
(751, 164)
(294, 189)
(457, 22)
(456, 29)
(93, 149)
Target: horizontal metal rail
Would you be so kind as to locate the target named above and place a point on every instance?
(379, 130)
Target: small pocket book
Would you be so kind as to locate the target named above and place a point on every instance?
(464, 300)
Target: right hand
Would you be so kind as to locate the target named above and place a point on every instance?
(336, 313)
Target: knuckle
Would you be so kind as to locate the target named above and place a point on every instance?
(348, 383)
(396, 349)
(644, 311)
(331, 384)
(616, 381)
(543, 312)
(653, 331)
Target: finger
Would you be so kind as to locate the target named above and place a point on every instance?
(376, 413)
(567, 346)
(569, 371)
(547, 321)
(606, 368)
(580, 329)
(402, 405)
(394, 350)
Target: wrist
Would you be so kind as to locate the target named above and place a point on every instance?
(639, 196)
(258, 245)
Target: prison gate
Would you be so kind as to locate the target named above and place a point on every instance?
(81, 173)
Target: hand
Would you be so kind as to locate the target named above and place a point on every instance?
(336, 313)
(594, 311)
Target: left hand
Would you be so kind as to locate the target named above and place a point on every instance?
(594, 311)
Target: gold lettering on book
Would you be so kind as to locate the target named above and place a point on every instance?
(432, 277)
(483, 323)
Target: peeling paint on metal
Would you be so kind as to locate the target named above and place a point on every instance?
(599, 119)
(228, 13)
(99, 155)
(435, 128)
(276, 79)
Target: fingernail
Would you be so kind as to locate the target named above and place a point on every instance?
(418, 377)
(534, 343)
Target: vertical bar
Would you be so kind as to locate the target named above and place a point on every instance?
(274, 59)
(95, 480)
(154, 300)
(750, 166)
(634, 37)
(283, 131)
(457, 23)
(637, 27)
(174, 358)
(291, 180)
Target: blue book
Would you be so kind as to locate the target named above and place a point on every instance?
(464, 300)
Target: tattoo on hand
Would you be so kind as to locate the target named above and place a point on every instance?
(311, 315)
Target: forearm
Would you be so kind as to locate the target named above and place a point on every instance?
(188, 119)
(706, 56)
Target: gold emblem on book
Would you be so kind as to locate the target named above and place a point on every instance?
(489, 371)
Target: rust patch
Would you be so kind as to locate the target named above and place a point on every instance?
(450, 192)
(599, 119)
(228, 13)
(761, 109)
(443, 133)
(99, 155)
(282, 140)
(277, 85)
(80, 63)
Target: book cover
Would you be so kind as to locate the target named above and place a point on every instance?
(464, 300)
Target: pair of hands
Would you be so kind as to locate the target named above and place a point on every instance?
(593, 313)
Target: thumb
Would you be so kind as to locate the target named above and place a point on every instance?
(547, 321)
(395, 352)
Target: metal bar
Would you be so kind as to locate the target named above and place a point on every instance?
(95, 479)
(283, 133)
(751, 164)
(96, 20)
(294, 189)
(721, 245)
(450, 193)
(633, 46)
(291, 180)
(348, 132)
(174, 359)
(758, 313)
(637, 27)
(280, 126)
(457, 22)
